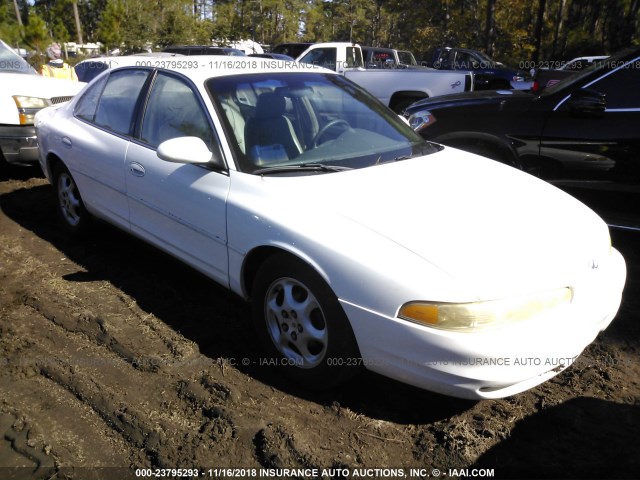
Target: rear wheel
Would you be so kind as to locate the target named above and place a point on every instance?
(7, 170)
(69, 205)
(301, 324)
(4, 167)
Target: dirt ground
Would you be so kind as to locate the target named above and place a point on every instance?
(115, 357)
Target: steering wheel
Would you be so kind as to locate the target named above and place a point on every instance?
(323, 130)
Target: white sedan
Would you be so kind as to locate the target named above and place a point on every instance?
(357, 243)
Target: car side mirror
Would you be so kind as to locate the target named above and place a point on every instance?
(186, 150)
(587, 102)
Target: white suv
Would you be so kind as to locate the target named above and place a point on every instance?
(22, 93)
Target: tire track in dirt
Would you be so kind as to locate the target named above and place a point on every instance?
(100, 374)
(160, 395)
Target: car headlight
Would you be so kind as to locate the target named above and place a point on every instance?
(28, 107)
(471, 317)
(420, 120)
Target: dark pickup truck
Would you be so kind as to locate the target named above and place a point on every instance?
(489, 74)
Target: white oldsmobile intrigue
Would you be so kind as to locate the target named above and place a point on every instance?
(357, 243)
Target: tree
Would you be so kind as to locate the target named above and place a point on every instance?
(537, 35)
(90, 13)
(490, 26)
(36, 34)
(10, 31)
(109, 28)
(76, 17)
(511, 31)
(17, 10)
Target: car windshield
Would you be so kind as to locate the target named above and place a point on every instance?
(11, 62)
(284, 121)
(485, 60)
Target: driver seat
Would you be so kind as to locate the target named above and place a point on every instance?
(269, 135)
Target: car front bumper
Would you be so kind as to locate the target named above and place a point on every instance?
(494, 363)
(19, 144)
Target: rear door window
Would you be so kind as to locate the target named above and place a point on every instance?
(119, 99)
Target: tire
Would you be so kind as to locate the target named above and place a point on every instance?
(303, 329)
(4, 168)
(69, 204)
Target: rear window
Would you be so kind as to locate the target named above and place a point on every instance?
(87, 71)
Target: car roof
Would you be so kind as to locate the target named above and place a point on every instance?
(590, 58)
(202, 67)
(276, 56)
(88, 69)
(380, 49)
(466, 50)
(130, 60)
(335, 44)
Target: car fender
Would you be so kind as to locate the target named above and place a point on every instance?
(357, 279)
(46, 141)
(345, 253)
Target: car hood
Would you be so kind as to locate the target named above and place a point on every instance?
(502, 99)
(39, 86)
(495, 230)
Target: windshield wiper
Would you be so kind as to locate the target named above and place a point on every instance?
(395, 159)
(307, 167)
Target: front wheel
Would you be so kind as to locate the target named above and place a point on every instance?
(69, 205)
(302, 325)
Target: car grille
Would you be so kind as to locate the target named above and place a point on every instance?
(57, 100)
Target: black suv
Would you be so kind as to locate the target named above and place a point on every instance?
(489, 74)
(582, 134)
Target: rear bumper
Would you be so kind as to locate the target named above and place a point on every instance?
(19, 144)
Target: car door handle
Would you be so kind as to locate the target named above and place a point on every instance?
(136, 169)
(66, 141)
